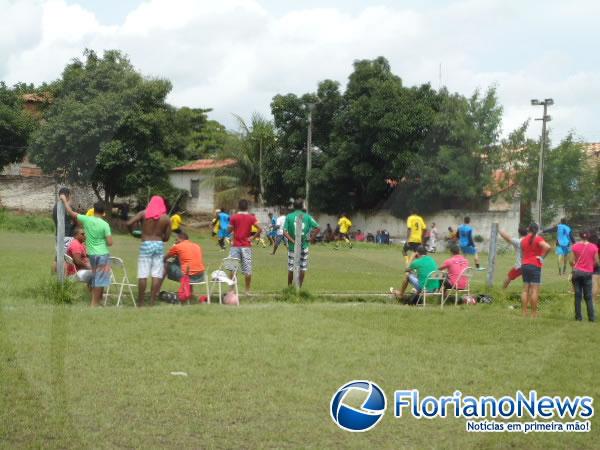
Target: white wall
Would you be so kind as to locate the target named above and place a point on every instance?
(481, 222)
(205, 203)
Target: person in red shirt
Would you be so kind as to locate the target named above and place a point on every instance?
(81, 267)
(241, 248)
(185, 257)
(533, 249)
(583, 260)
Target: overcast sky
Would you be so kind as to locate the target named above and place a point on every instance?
(234, 55)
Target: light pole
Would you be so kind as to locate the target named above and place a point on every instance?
(545, 118)
(260, 171)
(311, 107)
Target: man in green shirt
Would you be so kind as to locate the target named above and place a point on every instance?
(417, 274)
(310, 228)
(98, 239)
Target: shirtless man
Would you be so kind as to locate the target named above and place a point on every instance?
(156, 230)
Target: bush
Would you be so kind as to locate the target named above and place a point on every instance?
(22, 222)
(50, 290)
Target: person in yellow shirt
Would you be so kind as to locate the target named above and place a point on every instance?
(176, 222)
(257, 237)
(90, 213)
(344, 225)
(415, 229)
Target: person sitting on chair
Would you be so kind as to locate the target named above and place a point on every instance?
(81, 267)
(455, 265)
(416, 274)
(185, 257)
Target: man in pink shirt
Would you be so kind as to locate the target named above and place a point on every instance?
(241, 248)
(456, 265)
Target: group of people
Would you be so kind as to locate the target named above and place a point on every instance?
(88, 238)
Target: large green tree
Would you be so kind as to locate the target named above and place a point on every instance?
(16, 124)
(108, 125)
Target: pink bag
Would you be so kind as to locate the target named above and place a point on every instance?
(185, 289)
(231, 298)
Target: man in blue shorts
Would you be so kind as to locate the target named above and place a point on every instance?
(465, 240)
(564, 239)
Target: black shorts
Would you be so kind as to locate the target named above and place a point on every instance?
(412, 246)
(531, 274)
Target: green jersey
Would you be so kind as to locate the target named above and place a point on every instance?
(308, 224)
(424, 265)
(96, 231)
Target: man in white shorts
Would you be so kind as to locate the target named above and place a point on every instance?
(156, 230)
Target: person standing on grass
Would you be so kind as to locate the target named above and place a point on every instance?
(272, 231)
(533, 248)
(98, 239)
(596, 276)
(416, 275)
(515, 271)
(344, 225)
(564, 240)
(223, 232)
(176, 221)
(279, 226)
(465, 240)
(241, 224)
(583, 261)
(310, 228)
(156, 230)
(415, 230)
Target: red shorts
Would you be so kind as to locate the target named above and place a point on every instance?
(514, 273)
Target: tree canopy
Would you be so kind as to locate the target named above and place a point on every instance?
(16, 124)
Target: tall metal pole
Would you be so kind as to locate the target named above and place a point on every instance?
(308, 156)
(260, 171)
(541, 167)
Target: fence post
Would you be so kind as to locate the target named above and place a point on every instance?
(60, 241)
(297, 250)
(492, 254)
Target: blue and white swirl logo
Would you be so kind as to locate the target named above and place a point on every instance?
(358, 406)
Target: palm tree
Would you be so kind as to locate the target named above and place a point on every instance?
(247, 176)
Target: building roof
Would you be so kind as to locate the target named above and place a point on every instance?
(592, 149)
(205, 164)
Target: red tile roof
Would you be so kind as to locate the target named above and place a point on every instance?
(205, 164)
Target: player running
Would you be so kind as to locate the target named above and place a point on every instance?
(564, 239)
(465, 240)
(344, 225)
(415, 229)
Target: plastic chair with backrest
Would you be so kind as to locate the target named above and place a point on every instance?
(436, 275)
(205, 282)
(466, 273)
(231, 265)
(122, 283)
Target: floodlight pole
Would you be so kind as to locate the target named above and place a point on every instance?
(308, 154)
(545, 118)
(60, 241)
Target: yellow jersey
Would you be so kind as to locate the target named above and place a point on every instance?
(416, 225)
(344, 223)
(176, 222)
(90, 212)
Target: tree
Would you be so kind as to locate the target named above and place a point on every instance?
(16, 124)
(108, 125)
(249, 150)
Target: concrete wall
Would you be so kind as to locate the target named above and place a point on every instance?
(481, 222)
(205, 203)
(38, 194)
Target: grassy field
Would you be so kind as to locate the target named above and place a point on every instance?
(262, 375)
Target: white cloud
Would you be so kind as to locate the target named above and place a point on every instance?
(234, 55)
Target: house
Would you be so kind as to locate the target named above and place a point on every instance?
(195, 178)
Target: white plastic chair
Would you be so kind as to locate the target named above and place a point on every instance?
(206, 282)
(69, 261)
(231, 265)
(466, 273)
(122, 284)
(436, 275)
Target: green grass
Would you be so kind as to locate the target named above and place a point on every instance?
(262, 375)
